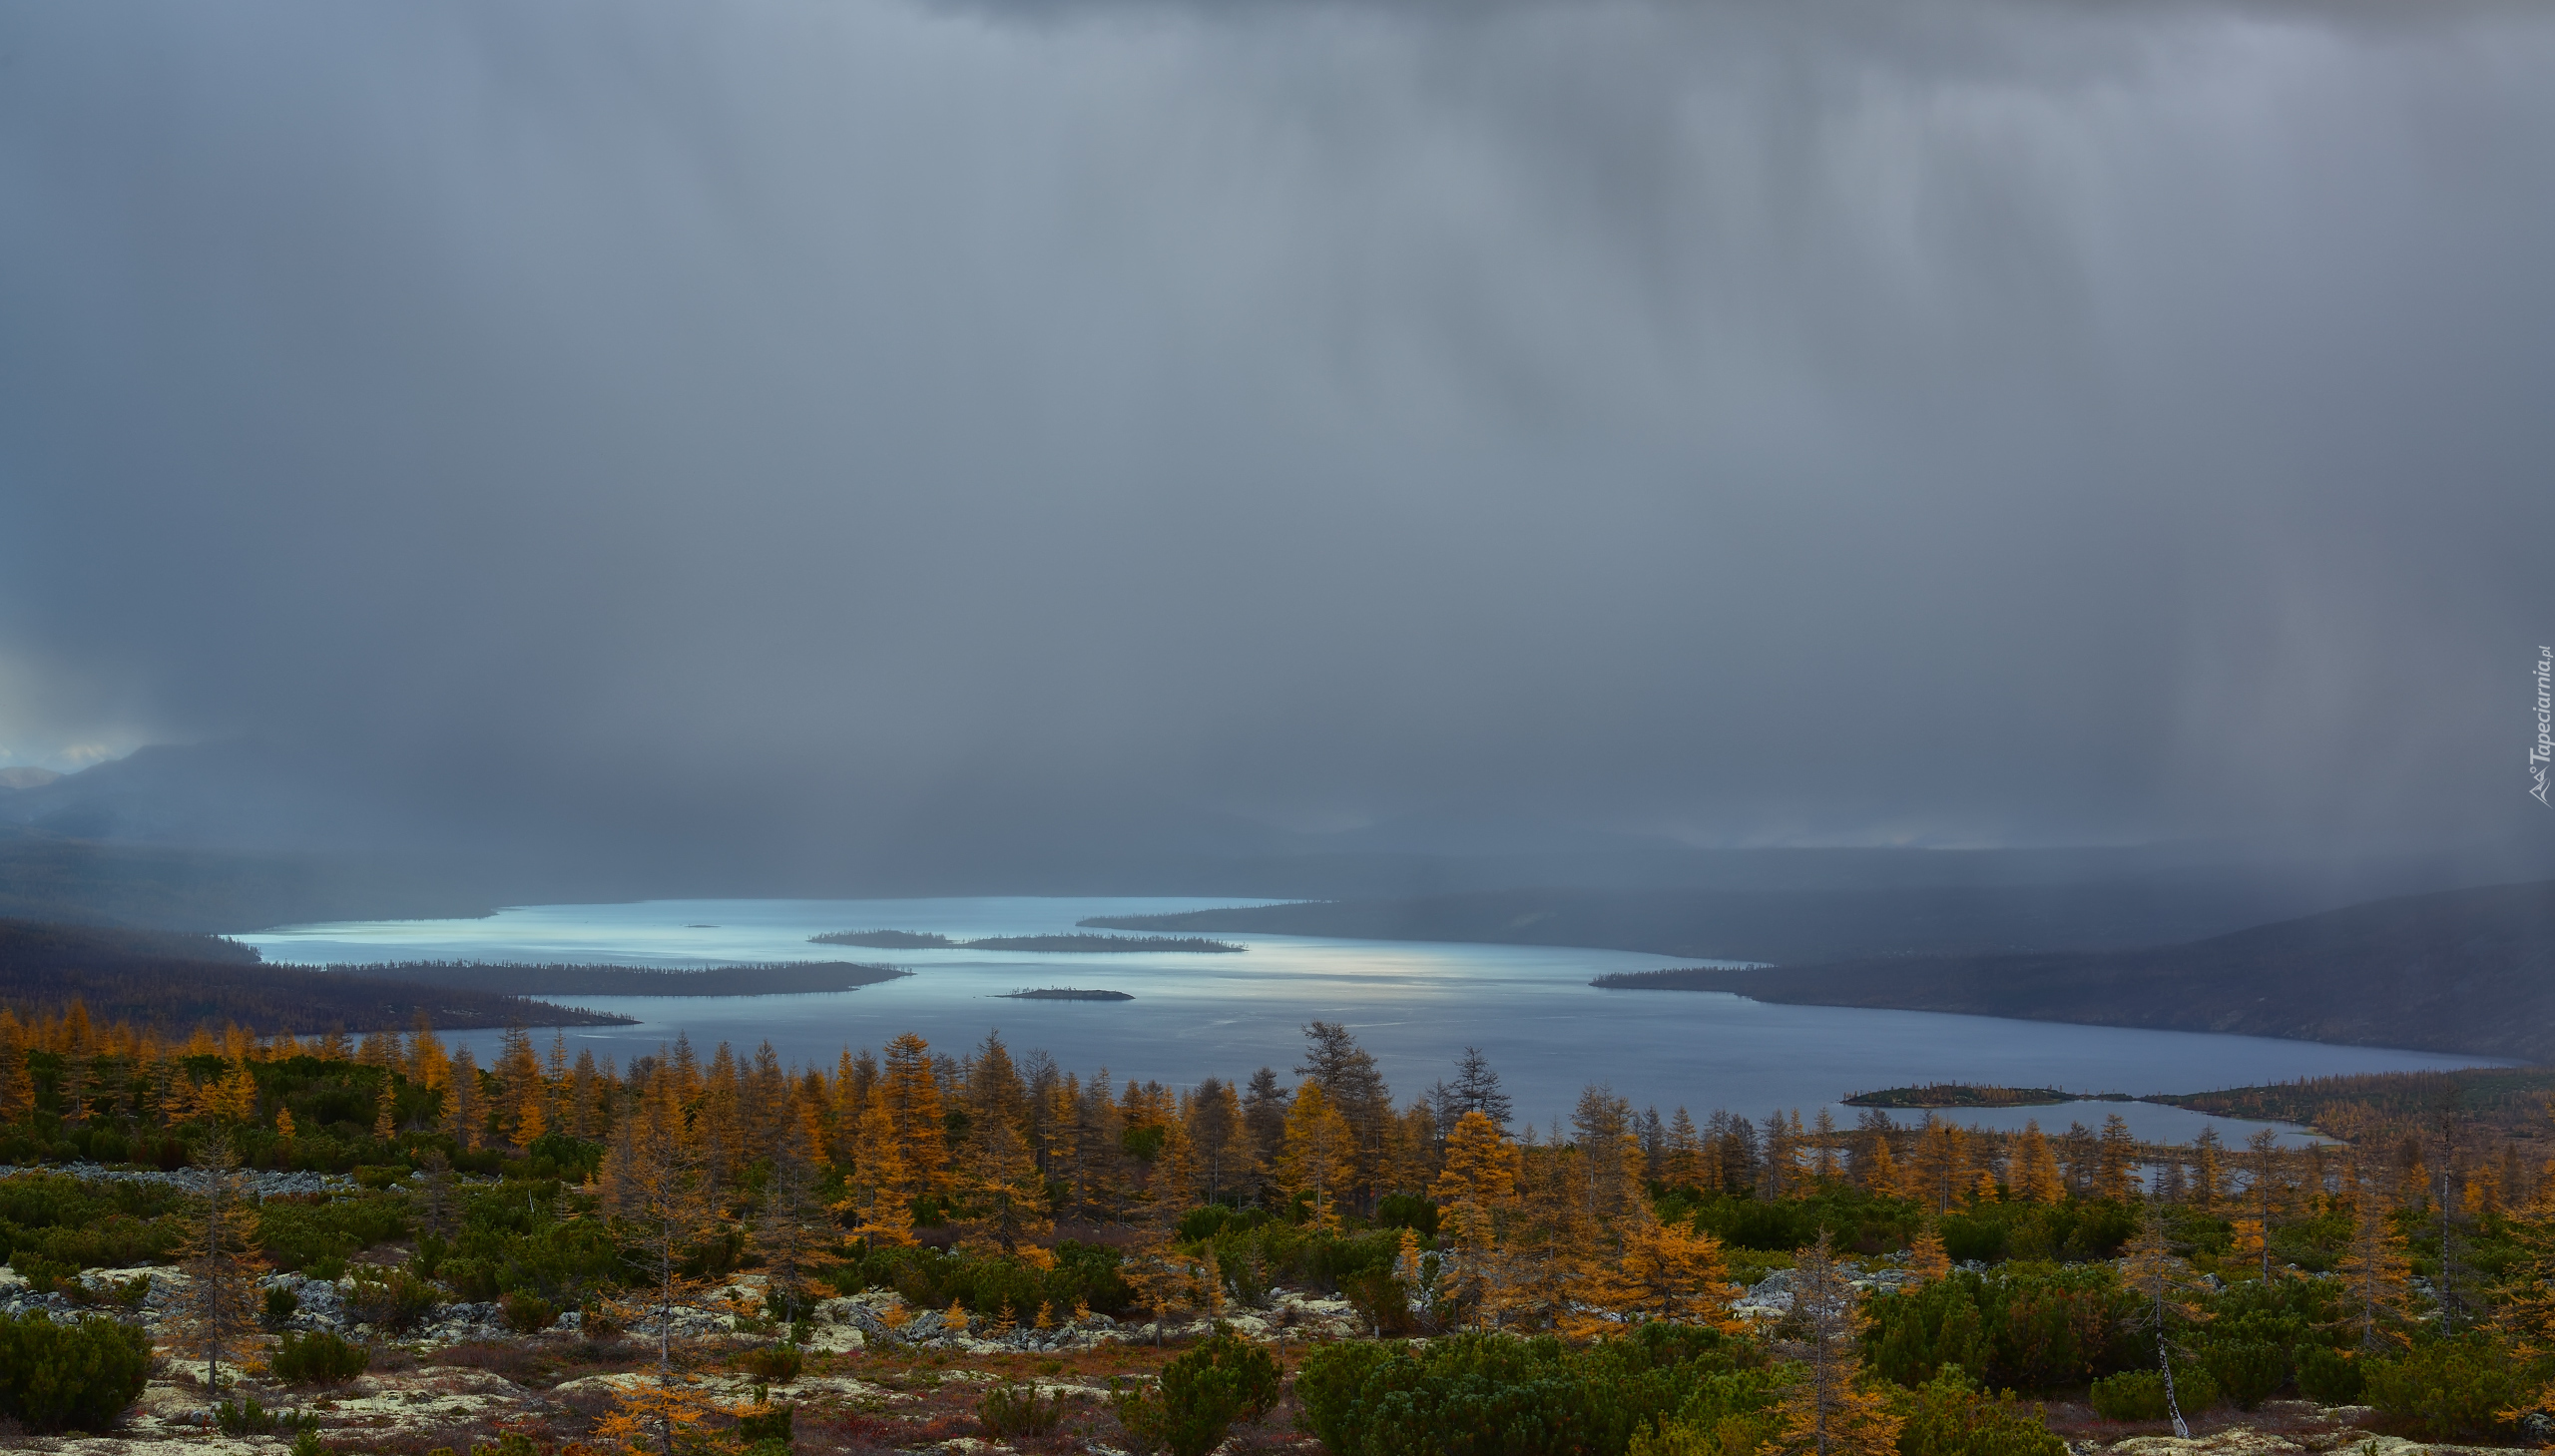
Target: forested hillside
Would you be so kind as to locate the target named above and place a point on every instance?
(2468, 971)
(159, 979)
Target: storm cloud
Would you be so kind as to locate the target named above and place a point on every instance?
(1756, 423)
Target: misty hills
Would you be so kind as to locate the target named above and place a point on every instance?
(190, 888)
(239, 837)
(233, 795)
(1785, 926)
(2469, 971)
(175, 981)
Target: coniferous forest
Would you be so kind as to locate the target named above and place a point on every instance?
(717, 1251)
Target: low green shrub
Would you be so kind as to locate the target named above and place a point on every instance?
(295, 1235)
(1490, 1394)
(126, 1294)
(528, 1314)
(1202, 1394)
(1289, 1253)
(931, 1280)
(1012, 1411)
(1727, 1414)
(2247, 1373)
(36, 1200)
(2329, 1376)
(392, 1299)
(117, 1240)
(470, 1278)
(771, 1423)
(2139, 1396)
(1854, 1217)
(44, 1275)
(319, 1358)
(2446, 1389)
(1382, 1303)
(1407, 1210)
(245, 1417)
(2023, 1327)
(772, 1364)
(431, 1247)
(1950, 1416)
(79, 1376)
(1735, 1437)
(281, 1305)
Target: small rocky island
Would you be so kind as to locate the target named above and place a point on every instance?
(1066, 993)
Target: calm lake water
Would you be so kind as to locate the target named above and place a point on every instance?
(1415, 1005)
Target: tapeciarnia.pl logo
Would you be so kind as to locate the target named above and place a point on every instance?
(2538, 755)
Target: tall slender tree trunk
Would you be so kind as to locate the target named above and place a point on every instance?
(2165, 1362)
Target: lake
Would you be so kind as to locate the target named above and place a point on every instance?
(1414, 1004)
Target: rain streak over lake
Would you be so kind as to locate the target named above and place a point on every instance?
(1414, 1004)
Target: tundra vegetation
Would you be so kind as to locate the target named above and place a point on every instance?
(706, 1254)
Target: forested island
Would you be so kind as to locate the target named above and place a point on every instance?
(1962, 1094)
(1066, 993)
(1075, 944)
(886, 939)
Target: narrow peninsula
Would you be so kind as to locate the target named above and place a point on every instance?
(1061, 944)
(782, 977)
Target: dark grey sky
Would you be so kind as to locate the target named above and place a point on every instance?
(1802, 422)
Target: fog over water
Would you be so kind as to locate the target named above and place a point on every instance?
(855, 432)
(1415, 1004)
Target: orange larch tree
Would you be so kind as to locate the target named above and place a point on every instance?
(912, 1096)
(1319, 1152)
(2035, 1178)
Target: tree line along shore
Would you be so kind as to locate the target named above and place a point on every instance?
(1623, 1281)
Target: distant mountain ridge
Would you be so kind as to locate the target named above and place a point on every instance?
(241, 835)
(2469, 971)
(48, 878)
(1785, 926)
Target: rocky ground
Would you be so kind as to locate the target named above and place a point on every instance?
(260, 1182)
(2278, 1428)
(877, 1378)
